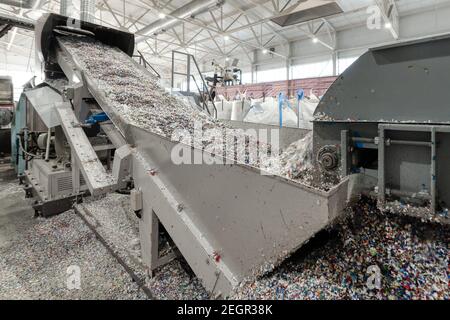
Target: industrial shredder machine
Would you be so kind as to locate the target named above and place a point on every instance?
(228, 221)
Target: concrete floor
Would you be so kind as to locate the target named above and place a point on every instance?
(36, 254)
(16, 214)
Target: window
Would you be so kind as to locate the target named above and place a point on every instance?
(19, 78)
(313, 70)
(344, 63)
(271, 75)
(246, 77)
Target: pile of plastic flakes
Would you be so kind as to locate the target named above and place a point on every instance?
(421, 212)
(296, 163)
(368, 256)
(9, 187)
(297, 159)
(134, 94)
(60, 258)
(322, 117)
(115, 222)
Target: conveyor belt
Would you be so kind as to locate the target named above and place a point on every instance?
(126, 91)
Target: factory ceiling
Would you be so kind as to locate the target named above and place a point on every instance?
(212, 29)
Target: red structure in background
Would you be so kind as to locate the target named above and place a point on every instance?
(271, 89)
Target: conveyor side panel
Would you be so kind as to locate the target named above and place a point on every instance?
(97, 179)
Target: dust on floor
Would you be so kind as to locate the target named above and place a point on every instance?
(41, 258)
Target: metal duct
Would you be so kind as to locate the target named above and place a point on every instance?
(87, 10)
(308, 11)
(26, 4)
(68, 9)
(63, 7)
(185, 11)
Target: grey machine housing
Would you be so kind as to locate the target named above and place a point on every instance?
(59, 157)
(387, 118)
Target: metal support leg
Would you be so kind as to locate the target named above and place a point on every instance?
(188, 74)
(381, 165)
(75, 174)
(345, 152)
(173, 70)
(433, 170)
(154, 235)
(149, 233)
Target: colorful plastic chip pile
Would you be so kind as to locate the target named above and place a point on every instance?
(412, 259)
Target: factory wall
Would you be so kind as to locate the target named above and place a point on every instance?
(316, 86)
(307, 59)
(12, 65)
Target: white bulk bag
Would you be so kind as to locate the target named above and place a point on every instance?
(267, 113)
(239, 110)
(223, 109)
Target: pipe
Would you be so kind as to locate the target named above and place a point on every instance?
(47, 149)
(24, 4)
(189, 9)
(410, 143)
(394, 142)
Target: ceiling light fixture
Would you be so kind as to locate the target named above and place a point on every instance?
(161, 15)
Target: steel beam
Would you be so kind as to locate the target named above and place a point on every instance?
(4, 30)
(16, 21)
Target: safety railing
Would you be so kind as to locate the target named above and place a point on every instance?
(202, 89)
(143, 62)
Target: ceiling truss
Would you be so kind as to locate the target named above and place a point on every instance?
(217, 33)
